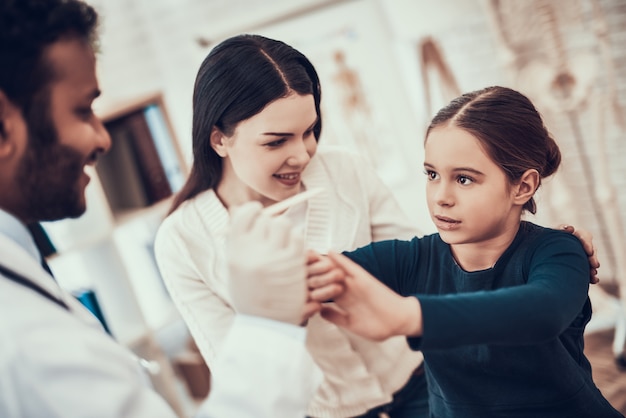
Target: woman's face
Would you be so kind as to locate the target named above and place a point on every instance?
(267, 153)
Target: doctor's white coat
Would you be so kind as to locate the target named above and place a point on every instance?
(57, 363)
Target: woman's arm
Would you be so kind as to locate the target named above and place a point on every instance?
(189, 265)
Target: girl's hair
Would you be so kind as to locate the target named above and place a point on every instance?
(237, 80)
(509, 128)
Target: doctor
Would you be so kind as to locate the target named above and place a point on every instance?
(55, 359)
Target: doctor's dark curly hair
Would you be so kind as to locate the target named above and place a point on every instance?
(27, 28)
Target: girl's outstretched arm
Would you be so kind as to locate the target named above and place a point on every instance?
(370, 309)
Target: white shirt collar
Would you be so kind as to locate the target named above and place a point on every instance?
(16, 231)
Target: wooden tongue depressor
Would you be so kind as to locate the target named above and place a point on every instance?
(279, 207)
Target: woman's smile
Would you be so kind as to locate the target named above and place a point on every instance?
(288, 179)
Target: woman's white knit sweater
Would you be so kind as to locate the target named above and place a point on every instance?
(355, 209)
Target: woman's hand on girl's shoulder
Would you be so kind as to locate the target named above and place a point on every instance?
(586, 239)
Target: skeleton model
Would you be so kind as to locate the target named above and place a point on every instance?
(355, 110)
(567, 86)
(433, 64)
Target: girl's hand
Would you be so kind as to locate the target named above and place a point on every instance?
(370, 309)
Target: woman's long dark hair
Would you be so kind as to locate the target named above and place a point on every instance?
(238, 78)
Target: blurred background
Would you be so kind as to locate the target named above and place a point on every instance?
(386, 67)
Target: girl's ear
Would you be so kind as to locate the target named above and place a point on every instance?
(218, 142)
(527, 186)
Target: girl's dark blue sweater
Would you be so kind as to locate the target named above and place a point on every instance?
(502, 342)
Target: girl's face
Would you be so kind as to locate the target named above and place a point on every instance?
(266, 155)
(469, 196)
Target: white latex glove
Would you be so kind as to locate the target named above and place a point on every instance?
(267, 265)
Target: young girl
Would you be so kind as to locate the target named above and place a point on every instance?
(256, 123)
(497, 305)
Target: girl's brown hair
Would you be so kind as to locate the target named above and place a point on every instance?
(509, 128)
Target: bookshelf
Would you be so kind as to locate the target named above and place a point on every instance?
(144, 158)
(109, 250)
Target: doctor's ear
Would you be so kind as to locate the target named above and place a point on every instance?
(4, 104)
(218, 142)
(8, 114)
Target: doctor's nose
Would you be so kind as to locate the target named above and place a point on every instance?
(101, 137)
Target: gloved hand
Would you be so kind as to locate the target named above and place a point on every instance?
(267, 265)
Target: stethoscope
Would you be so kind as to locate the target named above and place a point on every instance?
(151, 366)
(21, 280)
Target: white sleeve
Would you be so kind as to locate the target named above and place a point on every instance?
(62, 368)
(263, 371)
